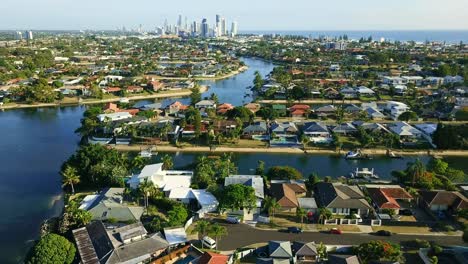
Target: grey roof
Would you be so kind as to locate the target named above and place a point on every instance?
(138, 251)
(257, 127)
(304, 249)
(307, 203)
(130, 231)
(315, 127)
(343, 259)
(272, 261)
(344, 128)
(153, 106)
(254, 181)
(280, 249)
(110, 202)
(325, 108)
(102, 248)
(339, 196)
(352, 108)
(374, 113)
(283, 127)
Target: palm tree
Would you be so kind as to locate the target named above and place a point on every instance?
(218, 231)
(138, 163)
(147, 189)
(271, 205)
(301, 213)
(167, 161)
(70, 177)
(324, 214)
(416, 170)
(202, 227)
(305, 140)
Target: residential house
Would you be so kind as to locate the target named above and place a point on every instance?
(201, 201)
(393, 80)
(281, 109)
(396, 108)
(114, 116)
(453, 79)
(317, 132)
(286, 195)
(305, 252)
(299, 110)
(176, 108)
(166, 180)
(325, 111)
(445, 201)
(254, 181)
(349, 93)
(257, 128)
(155, 85)
(341, 199)
(206, 104)
(175, 236)
(345, 129)
(389, 198)
(331, 93)
(279, 251)
(364, 91)
(374, 113)
(284, 128)
(134, 89)
(253, 107)
(343, 259)
(213, 258)
(127, 244)
(371, 127)
(224, 108)
(404, 130)
(308, 204)
(109, 204)
(224, 126)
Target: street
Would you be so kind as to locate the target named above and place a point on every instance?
(241, 235)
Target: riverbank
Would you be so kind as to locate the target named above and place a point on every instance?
(165, 94)
(215, 78)
(220, 149)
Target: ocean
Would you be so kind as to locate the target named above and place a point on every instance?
(449, 36)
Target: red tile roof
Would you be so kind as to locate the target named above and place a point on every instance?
(213, 258)
(385, 198)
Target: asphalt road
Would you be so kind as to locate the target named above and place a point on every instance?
(241, 235)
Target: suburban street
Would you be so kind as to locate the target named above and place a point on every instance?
(243, 235)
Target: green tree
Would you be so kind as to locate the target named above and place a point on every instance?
(244, 114)
(167, 161)
(271, 205)
(218, 231)
(177, 215)
(407, 116)
(147, 189)
(258, 81)
(195, 96)
(301, 213)
(202, 227)
(52, 249)
(70, 177)
(260, 170)
(237, 196)
(138, 163)
(378, 251)
(311, 181)
(283, 173)
(437, 166)
(324, 214)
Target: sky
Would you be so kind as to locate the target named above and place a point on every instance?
(250, 14)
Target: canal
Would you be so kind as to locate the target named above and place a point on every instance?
(35, 142)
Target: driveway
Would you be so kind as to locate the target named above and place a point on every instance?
(241, 235)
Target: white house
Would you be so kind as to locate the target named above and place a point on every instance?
(114, 116)
(205, 200)
(206, 104)
(403, 129)
(163, 179)
(453, 79)
(396, 108)
(393, 80)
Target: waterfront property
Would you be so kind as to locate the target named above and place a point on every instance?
(109, 204)
(166, 180)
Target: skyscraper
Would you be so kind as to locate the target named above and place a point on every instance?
(223, 27)
(234, 29)
(205, 29)
(19, 35)
(179, 21)
(218, 19)
(29, 35)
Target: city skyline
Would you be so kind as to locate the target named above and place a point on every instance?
(258, 15)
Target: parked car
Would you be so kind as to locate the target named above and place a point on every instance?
(209, 242)
(232, 220)
(336, 231)
(295, 230)
(406, 212)
(383, 233)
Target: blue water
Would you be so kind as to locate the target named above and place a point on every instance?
(450, 36)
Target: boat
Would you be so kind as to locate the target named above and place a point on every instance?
(124, 100)
(357, 155)
(365, 173)
(392, 155)
(147, 153)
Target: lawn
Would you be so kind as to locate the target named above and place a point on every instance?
(403, 229)
(345, 228)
